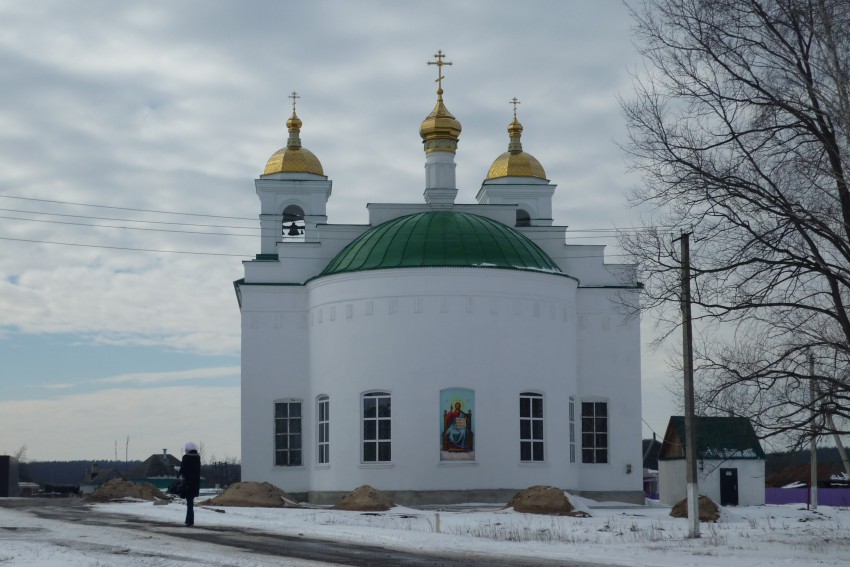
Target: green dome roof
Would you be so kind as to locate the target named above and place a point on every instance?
(441, 239)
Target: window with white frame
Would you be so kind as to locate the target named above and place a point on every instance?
(287, 433)
(377, 427)
(324, 433)
(530, 427)
(594, 432)
(572, 409)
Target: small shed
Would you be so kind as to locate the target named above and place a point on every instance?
(730, 461)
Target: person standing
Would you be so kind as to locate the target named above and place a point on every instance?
(190, 470)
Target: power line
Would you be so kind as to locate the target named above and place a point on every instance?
(129, 227)
(126, 248)
(124, 208)
(213, 253)
(253, 228)
(126, 220)
(598, 232)
(569, 230)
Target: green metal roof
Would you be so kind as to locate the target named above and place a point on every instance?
(716, 438)
(442, 239)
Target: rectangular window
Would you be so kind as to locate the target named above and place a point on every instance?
(377, 428)
(594, 432)
(324, 434)
(530, 427)
(287, 438)
(572, 429)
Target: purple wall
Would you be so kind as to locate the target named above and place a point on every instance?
(826, 496)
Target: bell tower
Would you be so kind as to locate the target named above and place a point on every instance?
(517, 178)
(293, 192)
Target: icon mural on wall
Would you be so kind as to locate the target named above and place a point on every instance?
(457, 430)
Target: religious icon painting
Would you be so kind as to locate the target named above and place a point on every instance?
(457, 427)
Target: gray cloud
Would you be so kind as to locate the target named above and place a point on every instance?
(177, 106)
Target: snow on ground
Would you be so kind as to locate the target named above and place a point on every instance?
(615, 534)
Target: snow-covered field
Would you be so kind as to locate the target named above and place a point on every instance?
(615, 534)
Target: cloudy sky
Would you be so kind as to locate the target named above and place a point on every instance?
(130, 137)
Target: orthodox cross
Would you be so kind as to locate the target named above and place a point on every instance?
(293, 96)
(514, 102)
(439, 63)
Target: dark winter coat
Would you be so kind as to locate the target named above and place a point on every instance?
(190, 470)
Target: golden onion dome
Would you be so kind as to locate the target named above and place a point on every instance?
(440, 130)
(515, 162)
(440, 125)
(293, 158)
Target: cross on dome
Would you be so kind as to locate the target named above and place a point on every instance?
(439, 63)
(294, 96)
(514, 102)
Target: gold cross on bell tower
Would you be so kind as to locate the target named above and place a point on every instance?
(294, 96)
(439, 63)
(514, 102)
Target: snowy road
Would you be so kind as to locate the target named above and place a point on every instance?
(70, 533)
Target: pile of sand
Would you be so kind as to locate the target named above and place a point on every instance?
(708, 510)
(117, 489)
(253, 495)
(365, 499)
(543, 500)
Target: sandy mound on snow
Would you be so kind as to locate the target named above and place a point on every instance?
(117, 489)
(708, 510)
(253, 495)
(543, 500)
(365, 499)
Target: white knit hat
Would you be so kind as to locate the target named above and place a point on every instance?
(191, 446)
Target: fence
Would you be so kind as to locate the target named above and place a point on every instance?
(826, 496)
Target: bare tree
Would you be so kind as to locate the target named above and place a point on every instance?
(740, 126)
(21, 454)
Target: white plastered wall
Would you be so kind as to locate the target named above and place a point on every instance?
(275, 366)
(414, 332)
(609, 371)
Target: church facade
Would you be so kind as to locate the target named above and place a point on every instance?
(445, 352)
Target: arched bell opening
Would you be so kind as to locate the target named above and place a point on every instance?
(292, 226)
(522, 218)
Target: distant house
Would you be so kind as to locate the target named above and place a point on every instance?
(95, 477)
(28, 489)
(159, 469)
(730, 461)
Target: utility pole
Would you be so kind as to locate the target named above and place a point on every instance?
(813, 481)
(688, 365)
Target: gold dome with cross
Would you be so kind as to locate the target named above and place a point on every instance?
(440, 130)
(293, 158)
(515, 162)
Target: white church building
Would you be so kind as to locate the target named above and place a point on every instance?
(445, 352)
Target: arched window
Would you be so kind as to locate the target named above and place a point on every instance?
(377, 427)
(530, 427)
(324, 425)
